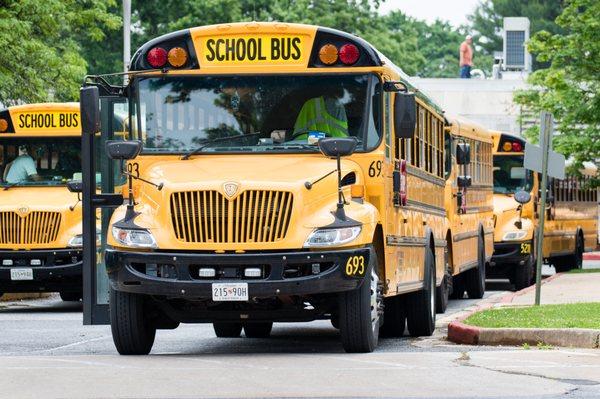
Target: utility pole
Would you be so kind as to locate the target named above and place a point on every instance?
(545, 137)
(126, 37)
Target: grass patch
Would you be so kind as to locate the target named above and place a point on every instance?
(597, 270)
(570, 315)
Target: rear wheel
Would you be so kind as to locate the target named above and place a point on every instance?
(133, 333)
(71, 296)
(360, 314)
(227, 330)
(570, 262)
(475, 278)
(394, 317)
(258, 330)
(420, 305)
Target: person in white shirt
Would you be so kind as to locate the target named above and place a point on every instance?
(22, 168)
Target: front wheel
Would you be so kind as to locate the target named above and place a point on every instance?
(523, 274)
(132, 331)
(359, 314)
(258, 330)
(227, 330)
(475, 278)
(71, 296)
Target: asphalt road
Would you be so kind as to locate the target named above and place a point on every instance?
(45, 352)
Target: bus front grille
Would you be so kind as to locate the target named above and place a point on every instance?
(34, 228)
(209, 217)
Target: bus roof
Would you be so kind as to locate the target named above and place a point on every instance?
(40, 120)
(466, 128)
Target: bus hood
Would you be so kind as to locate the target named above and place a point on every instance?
(504, 203)
(36, 198)
(252, 168)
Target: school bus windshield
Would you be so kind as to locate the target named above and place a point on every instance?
(256, 113)
(509, 174)
(39, 161)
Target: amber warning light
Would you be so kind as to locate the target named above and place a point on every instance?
(347, 54)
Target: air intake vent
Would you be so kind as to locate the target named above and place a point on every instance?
(34, 228)
(209, 217)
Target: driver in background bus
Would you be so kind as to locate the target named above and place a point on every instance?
(21, 168)
(323, 114)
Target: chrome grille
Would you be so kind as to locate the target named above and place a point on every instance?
(34, 228)
(253, 216)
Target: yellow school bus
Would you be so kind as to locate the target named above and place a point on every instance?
(570, 225)
(40, 220)
(470, 240)
(290, 174)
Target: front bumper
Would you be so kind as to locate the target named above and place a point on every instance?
(511, 253)
(284, 273)
(61, 270)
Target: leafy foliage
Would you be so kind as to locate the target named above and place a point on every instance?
(569, 87)
(40, 46)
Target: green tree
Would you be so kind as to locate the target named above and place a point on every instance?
(486, 20)
(40, 46)
(569, 87)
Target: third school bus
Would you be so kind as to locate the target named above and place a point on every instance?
(285, 172)
(570, 226)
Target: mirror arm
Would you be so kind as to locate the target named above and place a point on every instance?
(339, 212)
(158, 186)
(309, 185)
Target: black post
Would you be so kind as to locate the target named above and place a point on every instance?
(89, 224)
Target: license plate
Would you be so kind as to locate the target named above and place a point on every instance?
(230, 292)
(21, 274)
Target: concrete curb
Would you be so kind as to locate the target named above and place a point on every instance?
(591, 256)
(461, 333)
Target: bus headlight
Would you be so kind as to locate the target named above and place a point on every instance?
(76, 241)
(514, 235)
(332, 237)
(134, 238)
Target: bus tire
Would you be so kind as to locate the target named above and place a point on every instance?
(227, 330)
(70, 296)
(394, 317)
(458, 287)
(359, 312)
(475, 278)
(258, 330)
(133, 334)
(420, 305)
(523, 274)
(565, 263)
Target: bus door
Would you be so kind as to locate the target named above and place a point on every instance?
(100, 178)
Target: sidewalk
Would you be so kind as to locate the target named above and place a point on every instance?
(562, 288)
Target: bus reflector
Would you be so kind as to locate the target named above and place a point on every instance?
(507, 146)
(349, 54)
(3, 125)
(177, 57)
(328, 54)
(517, 147)
(157, 57)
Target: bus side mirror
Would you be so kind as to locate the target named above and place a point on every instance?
(75, 186)
(522, 197)
(123, 150)
(463, 153)
(463, 181)
(89, 105)
(405, 115)
(337, 147)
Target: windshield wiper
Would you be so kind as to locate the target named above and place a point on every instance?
(10, 185)
(217, 140)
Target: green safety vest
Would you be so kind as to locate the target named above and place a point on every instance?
(314, 115)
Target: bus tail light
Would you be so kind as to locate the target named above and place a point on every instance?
(157, 57)
(177, 57)
(349, 54)
(328, 54)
